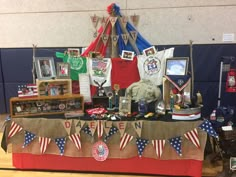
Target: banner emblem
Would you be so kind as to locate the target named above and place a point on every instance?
(100, 151)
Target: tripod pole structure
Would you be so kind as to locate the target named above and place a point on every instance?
(33, 64)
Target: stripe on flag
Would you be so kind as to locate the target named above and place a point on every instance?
(100, 129)
(193, 137)
(126, 138)
(158, 146)
(44, 142)
(15, 128)
(75, 138)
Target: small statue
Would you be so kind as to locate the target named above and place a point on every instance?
(100, 89)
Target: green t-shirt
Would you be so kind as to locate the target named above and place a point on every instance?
(77, 64)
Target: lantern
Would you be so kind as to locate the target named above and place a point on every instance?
(231, 81)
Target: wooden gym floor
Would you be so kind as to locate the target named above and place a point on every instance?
(7, 170)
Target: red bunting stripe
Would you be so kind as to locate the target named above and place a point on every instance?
(44, 142)
(126, 138)
(158, 146)
(193, 137)
(75, 138)
(15, 128)
(100, 129)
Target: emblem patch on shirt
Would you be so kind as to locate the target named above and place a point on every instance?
(76, 63)
(152, 65)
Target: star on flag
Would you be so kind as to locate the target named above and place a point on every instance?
(111, 132)
(141, 144)
(176, 144)
(60, 142)
(28, 138)
(158, 146)
(125, 139)
(14, 128)
(87, 130)
(44, 142)
(206, 126)
(193, 137)
(75, 138)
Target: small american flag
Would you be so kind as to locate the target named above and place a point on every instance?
(100, 129)
(158, 146)
(176, 144)
(125, 139)
(206, 126)
(141, 144)
(61, 144)
(44, 142)
(15, 128)
(111, 132)
(28, 138)
(193, 137)
(75, 138)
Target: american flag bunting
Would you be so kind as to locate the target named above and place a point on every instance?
(176, 144)
(44, 142)
(87, 130)
(158, 146)
(125, 139)
(75, 138)
(28, 138)
(141, 144)
(15, 128)
(206, 126)
(112, 131)
(60, 142)
(100, 128)
(193, 137)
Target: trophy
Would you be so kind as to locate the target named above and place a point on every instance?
(116, 88)
(110, 95)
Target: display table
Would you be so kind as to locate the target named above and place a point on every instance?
(118, 161)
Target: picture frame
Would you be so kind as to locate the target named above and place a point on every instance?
(150, 51)
(45, 68)
(233, 163)
(176, 66)
(127, 55)
(63, 70)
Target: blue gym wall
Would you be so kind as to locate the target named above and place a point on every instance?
(16, 65)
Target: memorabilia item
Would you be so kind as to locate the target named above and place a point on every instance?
(63, 70)
(176, 66)
(150, 51)
(142, 106)
(233, 163)
(116, 88)
(127, 55)
(100, 89)
(100, 151)
(45, 68)
(231, 81)
(84, 86)
(110, 95)
(160, 108)
(29, 90)
(125, 105)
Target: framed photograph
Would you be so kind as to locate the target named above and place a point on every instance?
(63, 70)
(233, 163)
(176, 66)
(150, 51)
(45, 68)
(127, 55)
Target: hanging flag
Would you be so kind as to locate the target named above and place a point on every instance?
(113, 20)
(60, 142)
(125, 38)
(193, 137)
(75, 138)
(94, 20)
(99, 128)
(207, 127)
(44, 142)
(141, 144)
(125, 139)
(137, 125)
(114, 39)
(87, 131)
(28, 138)
(15, 128)
(105, 38)
(67, 124)
(134, 34)
(124, 21)
(176, 144)
(103, 21)
(158, 146)
(112, 131)
(135, 19)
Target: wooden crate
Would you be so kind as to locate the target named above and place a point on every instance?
(54, 87)
(46, 105)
